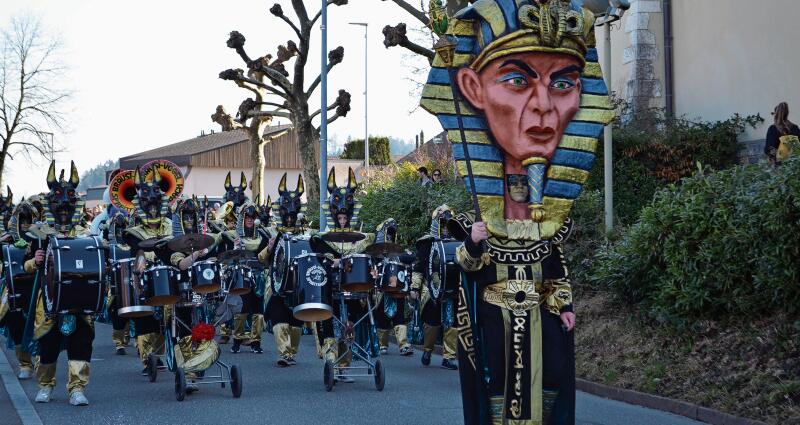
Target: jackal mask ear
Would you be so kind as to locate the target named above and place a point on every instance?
(332, 180)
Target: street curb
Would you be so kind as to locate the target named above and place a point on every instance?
(24, 409)
(681, 408)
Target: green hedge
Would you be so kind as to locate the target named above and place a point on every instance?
(718, 244)
(395, 192)
(379, 152)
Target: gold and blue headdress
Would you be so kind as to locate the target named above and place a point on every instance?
(490, 29)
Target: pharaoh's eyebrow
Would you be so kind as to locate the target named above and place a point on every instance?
(566, 71)
(521, 65)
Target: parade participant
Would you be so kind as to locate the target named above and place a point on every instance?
(225, 221)
(235, 194)
(6, 208)
(246, 235)
(113, 228)
(14, 317)
(390, 312)
(152, 210)
(76, 332)
(524, 95)
(285, 221)
(435, 313)
(342, 215)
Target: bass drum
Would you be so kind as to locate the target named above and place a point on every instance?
(18, 282)
(281, 274)
(74, 279)
(394, 279)
(444, 275)
(313, 294)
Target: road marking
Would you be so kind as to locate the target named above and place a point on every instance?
(19, 399)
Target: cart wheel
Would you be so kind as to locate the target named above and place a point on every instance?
(380, 375)
(236, 381)
(152, 367)
(328, 377)
(180, 384)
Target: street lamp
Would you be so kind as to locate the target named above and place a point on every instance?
(366, 128)
(608, 12)
(323, 127)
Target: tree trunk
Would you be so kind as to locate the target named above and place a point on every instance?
(255, 132)
(308, 138)
(2, 166)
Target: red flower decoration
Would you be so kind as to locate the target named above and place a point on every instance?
(202, 332)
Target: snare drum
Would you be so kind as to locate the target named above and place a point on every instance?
(161, 285)
(204, 276)
(394, 279)
(313, 295)
(128, 295)
(355, 273)
(74, 280)
(238, 280)
(18, 282)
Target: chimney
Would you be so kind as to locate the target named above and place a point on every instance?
(202, 133)
(416, 141)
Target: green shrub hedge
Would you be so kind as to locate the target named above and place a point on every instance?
(717, 244)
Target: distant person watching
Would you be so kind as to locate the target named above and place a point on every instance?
(424, 178)
(437, 176)
(780, 135)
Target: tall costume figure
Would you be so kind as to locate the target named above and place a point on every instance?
(17, 291)
(284, 226)
(153, 211)
(438, 309)
(75, 331)
(532, 107)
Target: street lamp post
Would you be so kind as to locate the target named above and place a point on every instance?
(366, 109)
(323, 127)
(608, 12)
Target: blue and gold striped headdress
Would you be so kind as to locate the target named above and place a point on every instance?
(490, 29)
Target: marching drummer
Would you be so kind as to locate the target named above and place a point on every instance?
(76, 331)
(286, 329)
(156, 226)
(14, 315)
(435, 315)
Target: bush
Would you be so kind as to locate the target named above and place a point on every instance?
(719, 244)
(652, 151)
(395, 192)
(378, 150)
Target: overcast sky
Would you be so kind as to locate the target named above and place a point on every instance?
(145, 72)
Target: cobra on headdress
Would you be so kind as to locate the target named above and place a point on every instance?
(487, 30)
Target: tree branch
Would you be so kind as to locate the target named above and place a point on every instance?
(330, 2)
(420, 15)
(396, 36)
(335, 57)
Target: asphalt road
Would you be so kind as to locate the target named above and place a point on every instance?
(271, 395)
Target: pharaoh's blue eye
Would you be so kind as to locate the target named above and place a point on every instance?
(563, 84)
(515, 79)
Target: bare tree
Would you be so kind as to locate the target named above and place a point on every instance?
(31, 99)
(397, 35)
(278, 96)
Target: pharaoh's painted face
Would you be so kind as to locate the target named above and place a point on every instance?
(528, 100)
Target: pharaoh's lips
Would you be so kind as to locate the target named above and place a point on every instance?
(540, 134)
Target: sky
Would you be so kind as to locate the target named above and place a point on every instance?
(144, 73)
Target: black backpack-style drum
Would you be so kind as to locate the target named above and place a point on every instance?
(281, 274)
(444, 275)
(74, 275)
(18, 282)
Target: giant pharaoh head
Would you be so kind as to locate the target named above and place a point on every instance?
(533, 105)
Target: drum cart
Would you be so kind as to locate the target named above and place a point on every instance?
(226, 374)
(346, 335)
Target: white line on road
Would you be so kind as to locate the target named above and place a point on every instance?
(18, 397)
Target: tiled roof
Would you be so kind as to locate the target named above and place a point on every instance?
(181, 152)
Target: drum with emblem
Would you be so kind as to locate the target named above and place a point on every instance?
(205, 276)
(313, 293)
(74, 275)
(394, 278)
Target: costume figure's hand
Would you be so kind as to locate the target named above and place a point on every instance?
(568, 319)
(479, 232)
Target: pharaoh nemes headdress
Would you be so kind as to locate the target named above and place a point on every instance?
(490, 29)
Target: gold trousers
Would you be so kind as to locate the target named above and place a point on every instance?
(119, 336)
(400, 332)
(46, 375)
(332, 348)
(25, 360)
(449, 341)
(149, 343)
(256, 327)
(77, 376)
(287, 339)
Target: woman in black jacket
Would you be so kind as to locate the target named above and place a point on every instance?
(781, 127)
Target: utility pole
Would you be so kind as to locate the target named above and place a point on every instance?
(323, 127)
(366, 109)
